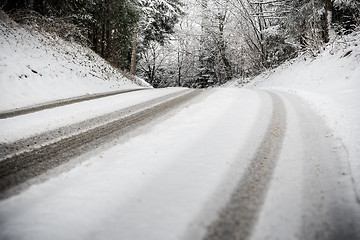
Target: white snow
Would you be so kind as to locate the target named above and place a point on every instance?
(162, 184)
(39, 67)
(13, 129)
(311, 185)
(169, 181)
(330, 84)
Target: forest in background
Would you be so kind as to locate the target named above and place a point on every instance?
(193, 43)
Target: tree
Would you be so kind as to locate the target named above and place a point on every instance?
(184, 44)
(206, 74)
(328, 19)
(154, 58)
(157, 21)
(215, 67)
(345, 15)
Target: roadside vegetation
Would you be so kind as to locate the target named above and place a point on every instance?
(193, 43)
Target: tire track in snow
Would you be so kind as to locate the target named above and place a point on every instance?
(26, 165)
(237, 218)
(329, 206)
(62, 102)
(9, 149)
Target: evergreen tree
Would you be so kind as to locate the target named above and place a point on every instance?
(157, 21)
(158, 18)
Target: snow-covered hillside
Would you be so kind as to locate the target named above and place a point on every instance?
(38, 67)
(330, 84)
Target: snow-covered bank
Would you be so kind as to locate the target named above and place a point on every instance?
(330, 83)
(38, 67)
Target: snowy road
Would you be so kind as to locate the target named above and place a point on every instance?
(229, 164)
(62, 102)
(29, 157)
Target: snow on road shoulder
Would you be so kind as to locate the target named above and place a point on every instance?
(39, 67)
(311, 184)
(330, 84)
(12, 129)
(162, 184)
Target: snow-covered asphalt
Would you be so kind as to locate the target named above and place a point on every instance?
(229, 164)
(61, 102)
(27, 158)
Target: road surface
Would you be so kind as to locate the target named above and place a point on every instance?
(26, 158)
(189, 164)
(62, 102)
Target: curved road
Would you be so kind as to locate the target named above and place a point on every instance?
(27, 158)
(312, 195)
(228, 164)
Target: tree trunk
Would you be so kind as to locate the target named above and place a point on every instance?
(261, 35)
(179, 76)
(94, 38)
(328, 20)
(108, 40)
(106, 30)
(222, 49)
(179, 62)
(134, 52)
(103, 29)
(314, 27)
